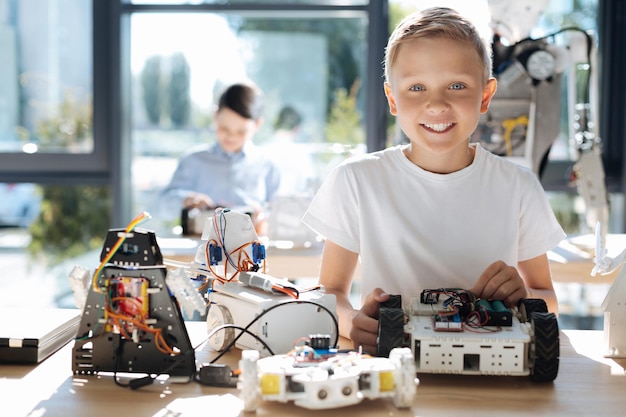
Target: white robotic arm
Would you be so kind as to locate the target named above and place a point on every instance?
(613, 304)
(603, 263)
(524, 120)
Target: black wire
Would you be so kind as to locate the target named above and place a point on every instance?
(118, 356)
(264, 312)
(243, 329)
(222, 231)
(179, 358)
(152, 377)
(183, 356)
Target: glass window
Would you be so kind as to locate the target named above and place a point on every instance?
(46, 230)
(312, 68)
(282, 3)
(45, 76)
(46, 136)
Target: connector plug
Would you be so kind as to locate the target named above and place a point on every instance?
(140, 382)
(216, 375)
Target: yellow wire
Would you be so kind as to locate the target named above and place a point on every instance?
(136, 221)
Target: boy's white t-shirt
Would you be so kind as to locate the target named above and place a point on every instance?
(417, 230)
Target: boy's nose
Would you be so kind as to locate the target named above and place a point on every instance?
(437, 105)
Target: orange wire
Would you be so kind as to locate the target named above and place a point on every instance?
(158, 333)
(285, 290)
(160, 342)
(244, 263)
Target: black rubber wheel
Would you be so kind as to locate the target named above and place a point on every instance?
(527, 306)
(544, 352)
(390, 326)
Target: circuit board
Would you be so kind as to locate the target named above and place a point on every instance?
(450, 331)
(131, 322)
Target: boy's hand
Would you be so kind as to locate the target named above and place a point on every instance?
(500, 282)
(198, 200)
(364, 331)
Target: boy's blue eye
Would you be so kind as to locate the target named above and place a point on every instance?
(457, 86)
(417, 88)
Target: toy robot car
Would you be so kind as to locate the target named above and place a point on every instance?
(449, 331)
(317, 377)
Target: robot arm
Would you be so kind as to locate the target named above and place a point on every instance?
(524, 121)
(605, 264)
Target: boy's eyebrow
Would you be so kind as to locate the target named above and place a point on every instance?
(460, 75)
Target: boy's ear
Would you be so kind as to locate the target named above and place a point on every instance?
(393, 109)
(488, 92)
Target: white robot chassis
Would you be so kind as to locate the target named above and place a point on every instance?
(327, 380)
(489, 340)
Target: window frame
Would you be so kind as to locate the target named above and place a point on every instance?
(109, 163)
(66, 168)
(376, 13)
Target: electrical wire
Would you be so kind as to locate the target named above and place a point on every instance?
(264, 312)
(243, 261)
(290, 291)
(122, 236)
(139, 382)
(123, 322)
(142, 381)
(463, 302)
(243, 330)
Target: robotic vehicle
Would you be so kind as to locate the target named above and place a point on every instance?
(318, 377)
(449, 331)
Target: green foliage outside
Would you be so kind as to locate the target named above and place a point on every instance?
(167, 94)
(344, 120)
(70, 128)
(178, 91)
(397, 13)
(151, 88)
(72, 221)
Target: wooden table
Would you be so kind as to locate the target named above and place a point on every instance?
(573, 259)
(587, 385)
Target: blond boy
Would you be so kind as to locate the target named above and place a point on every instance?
(440, 211)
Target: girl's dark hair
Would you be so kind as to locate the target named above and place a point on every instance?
(244, 99)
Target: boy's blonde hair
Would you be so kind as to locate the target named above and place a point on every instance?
(437, 22)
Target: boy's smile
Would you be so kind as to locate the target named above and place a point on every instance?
(233, 130)
(439, 127)
(437, 91)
